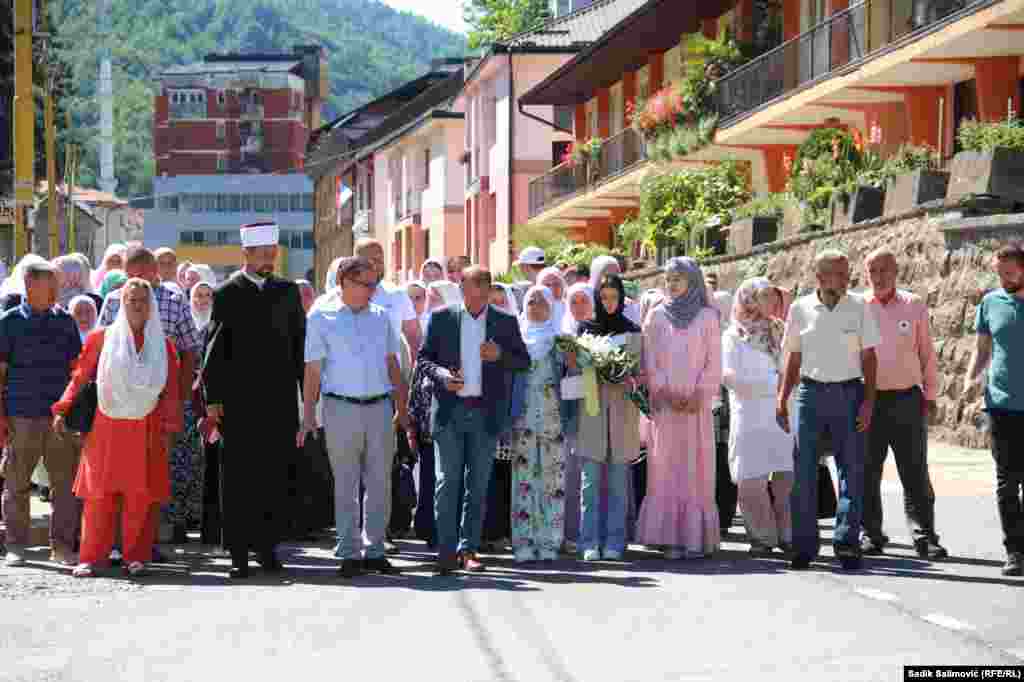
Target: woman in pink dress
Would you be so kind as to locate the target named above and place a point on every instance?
(683, 362)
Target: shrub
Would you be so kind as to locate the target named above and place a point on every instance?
(975, 136)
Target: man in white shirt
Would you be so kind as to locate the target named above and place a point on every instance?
(352, 355)
(402, 312)
(831, 338)
(471, 352)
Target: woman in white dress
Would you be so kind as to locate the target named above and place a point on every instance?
(759, 451)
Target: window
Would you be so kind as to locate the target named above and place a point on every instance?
(187, 104)
(198, 237)
(186, 237)
(307, 202)
(284, 239)
(564, 116)
(221, 131)
(221, 99)
(222, 165)
(245, 203)
(209, 203)
(234, 203)
(296, 238)
(222, 199)
(283, 202)
(308, 242)
(223, 237)
(168, 203)
(296, 202)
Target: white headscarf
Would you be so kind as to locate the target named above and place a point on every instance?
(205, 272)
(570, 325)
(511, 305)
(82, 298)
(201, 317)
(539, 337)
(101, 271)
(449, 291)
(129, 382)
(558, 313)
(425, 315)
(15, 284)
(332, 292)
(597, 268)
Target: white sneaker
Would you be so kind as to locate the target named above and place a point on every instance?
(592, 555)
(14, 558)
(612, 555)
(674, 554)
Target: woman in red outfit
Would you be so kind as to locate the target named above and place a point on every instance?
(125, 455)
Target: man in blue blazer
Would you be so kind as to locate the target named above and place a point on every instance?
(471, 352)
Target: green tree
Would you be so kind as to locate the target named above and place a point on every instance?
(492, 21)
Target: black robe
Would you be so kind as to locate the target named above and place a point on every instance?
(254, 370)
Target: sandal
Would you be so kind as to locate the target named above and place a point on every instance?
(83, 571)
(135, 569)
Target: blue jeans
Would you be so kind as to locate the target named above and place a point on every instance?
(464, 456)
(590, 506)
(833, 406)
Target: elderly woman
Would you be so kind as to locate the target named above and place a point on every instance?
(684, 373)
(85, 313)
(538, 458)
(552, 279)
(124, 456)
(759, 451)
(579, 308)
(417, 291)
(113, 259)
(74, 279)
(432, 270)
(440, 293)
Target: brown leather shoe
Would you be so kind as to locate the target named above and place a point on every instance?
(468, 561)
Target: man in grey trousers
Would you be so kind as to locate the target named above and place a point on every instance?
(352, 352)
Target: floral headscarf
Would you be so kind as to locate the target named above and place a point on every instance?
(750, 325)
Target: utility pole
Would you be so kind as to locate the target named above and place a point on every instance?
(24, 124)
(108, 181)
(51, 154)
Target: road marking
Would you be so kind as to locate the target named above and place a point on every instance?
(876, 594)
(948, 622)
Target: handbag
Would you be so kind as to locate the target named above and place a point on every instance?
(83, 409)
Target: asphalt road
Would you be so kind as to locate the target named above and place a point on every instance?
(728, 618)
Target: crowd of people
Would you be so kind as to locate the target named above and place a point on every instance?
(456, 409)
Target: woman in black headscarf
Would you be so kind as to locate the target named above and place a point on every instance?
(609, 440)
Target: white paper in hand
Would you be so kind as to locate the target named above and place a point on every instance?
(572, 388)
(619, 340)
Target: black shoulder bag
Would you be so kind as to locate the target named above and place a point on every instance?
(83, 410)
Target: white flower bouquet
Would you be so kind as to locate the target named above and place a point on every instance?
(602, 360)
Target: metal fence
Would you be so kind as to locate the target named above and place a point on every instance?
(618, 154)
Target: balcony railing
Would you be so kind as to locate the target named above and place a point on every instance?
(840, 41)
(618, 154)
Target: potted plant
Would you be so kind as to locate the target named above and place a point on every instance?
(824, 173)
(912, 178)
(757, 222)
(992, 161)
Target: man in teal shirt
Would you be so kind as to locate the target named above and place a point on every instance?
(1000, 348)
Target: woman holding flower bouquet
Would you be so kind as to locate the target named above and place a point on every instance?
(609, 434)
(684, 370)
(538, 461)
(579, 308)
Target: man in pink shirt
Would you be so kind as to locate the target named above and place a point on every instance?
(907, 385)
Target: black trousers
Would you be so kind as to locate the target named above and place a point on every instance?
(899, 423)
(1007, 434)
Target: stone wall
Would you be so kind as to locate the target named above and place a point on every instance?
(944, 257)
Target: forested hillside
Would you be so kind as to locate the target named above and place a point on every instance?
(371, 49)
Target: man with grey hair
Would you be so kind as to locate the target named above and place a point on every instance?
(352, 356)
(39, 341)
(830, 339)
(907, 388)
